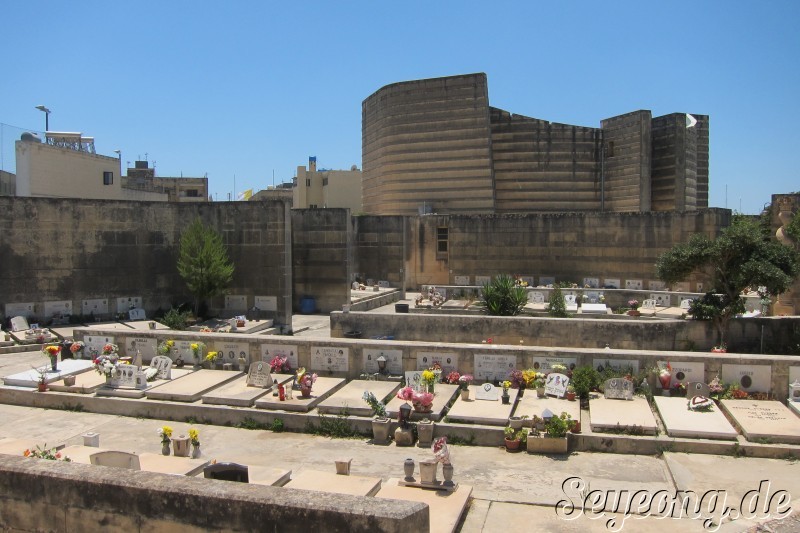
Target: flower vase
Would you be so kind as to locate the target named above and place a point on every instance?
(305, 392)
(425, 433)
(665, 379)
(165, 448)
(54, 363)
(465, 394)
(195, 451)
(419, 408)
(506, 398)
(447, 472)
(408, 470)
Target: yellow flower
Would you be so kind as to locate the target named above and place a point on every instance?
(427, 375)
(193, 434)
(506, 384)
(170, 343)
(194, 346)
(211, 356)
(167, 431)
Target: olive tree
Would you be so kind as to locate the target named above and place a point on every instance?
(203, 262)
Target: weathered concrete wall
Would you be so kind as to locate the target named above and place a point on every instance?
(57, 249)
(625, 165)
(680, 163)
(378, 247)
(41, 495)
(322, 257)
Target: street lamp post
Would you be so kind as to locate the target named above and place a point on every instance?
(46, 112)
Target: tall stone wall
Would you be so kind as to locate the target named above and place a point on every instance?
(680, 154)
(625, 165)
(70, 250)
(544, 166)
(421, 140)
(701, 128)
(378, 248)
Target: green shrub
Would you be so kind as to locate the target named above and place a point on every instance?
(558, 305)
(502, 297)
(176, 319)
(584, 379)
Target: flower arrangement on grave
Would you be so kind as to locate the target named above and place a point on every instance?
(715, 388)
(166, 347)
(306, 381)
(206, 329)
(211, 357)
(665, 376)
(464, 381)
(110, 349)
(51, 350)
(679, 389)
(428, 379)
(701, 404)
(280, 364)
(633, 304)
(422, 401)
(440, 451)
(194, 437)
(197, 350)
(406, 393)
(558, 368)
(452, 378)
(165, 432)
(50, 454)
(517, 380)
(377, 406)
(106, 364)
(720, 348)
(77, 346)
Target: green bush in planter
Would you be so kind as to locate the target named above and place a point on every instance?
(584, 379)
(557, 427)
(502, 297)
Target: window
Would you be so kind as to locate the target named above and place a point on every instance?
(192, 193)
(108, 178)
(308, 182)
(324, 182)
(610, 149)
(441, 241)
(312, 206)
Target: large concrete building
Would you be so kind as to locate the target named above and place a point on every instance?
(325, 188)
(143, 177)
(436, 145)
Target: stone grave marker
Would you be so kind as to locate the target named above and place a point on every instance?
(535, 297)
(384, 284)
(686, 303)
(59, 307)
(259, 375)
(414, 380)
(618, 389)
(394, 361)
(230, 352)
(794, 391)
(183, 349)
(462, 280)
(487, 391)
(235, 302)
(620, 365)
(556, 385)
(137, 314)
(267, 303)
(95, 306)
(633, 284)
(685, 371)
(447, 360)
(124, 377)
(126, 304)
(146, 346)
(330, 359)
(545, 364)
(19, 323)
(697, 388)
(289, 351)
(662, 300)
(750, 378)
(163, 365)
(547, 281)
(611, 283)
(483, 280)
(657, 286)
(493, 367)
(592, 283)
(94, 345)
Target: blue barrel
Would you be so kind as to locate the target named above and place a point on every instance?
(308, 305)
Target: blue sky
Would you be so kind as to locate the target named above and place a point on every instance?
(247, 88)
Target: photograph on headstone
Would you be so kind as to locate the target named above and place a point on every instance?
(330, 359)
(146, 346)
(230, 352)
(393, 361)
(493, 367)
(447, 360)
(287, 351)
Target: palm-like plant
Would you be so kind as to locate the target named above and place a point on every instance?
(502, 297)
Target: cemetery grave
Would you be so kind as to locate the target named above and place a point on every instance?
(484, 407)
(349, 398)
(764, 420)
(191, 387)
(443, 396)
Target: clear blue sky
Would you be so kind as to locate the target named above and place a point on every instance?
(245, 88)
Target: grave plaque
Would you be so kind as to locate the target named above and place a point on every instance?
(662, 300)
(611, 283)
(487, 391)
(592, 283)
(95, 306)
(462, 280)
(259, 375)
(620, 365)
(794, 391)
(535, 297)
(289, 351)
(94, 345)
(163, 365)
(547, 281)
(20, 309)
(483, 280)
(633, 284)
(230, 352)
(556, 385)
(182, 349)
(447, 360)
(750, 378)
(18, 323)
(384, 284)
(394, 361)
(657, 286)
(124, 377)
(414, 380)
(545, 364)
(236, 302)
(146, 346)
(618, 389)
(697, 388)
(126, 304)
(267, 303)
(683, 372)
(493, 367)
(330, 359)
(60, 307)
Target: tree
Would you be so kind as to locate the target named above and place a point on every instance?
(558, 305)
(502, 297)
(203, 262)
(742, 256)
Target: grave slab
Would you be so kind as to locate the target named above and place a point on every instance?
(594, 309)
(192, 387)
(30, 378)
(139, 393)
(444, 393)
(794, 407)
(446, 508)
(486, 412)
(268, 475)
(321, 390)
(605, 414)
(531, 405)
(238, 394)
(350, 397)
(764, 419)
(85, 383)
(683, 422)
(338, 484)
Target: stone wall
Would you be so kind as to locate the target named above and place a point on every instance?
(680, 163)
(378, 247)
(71, 250)
(625, 165)
(41, 495)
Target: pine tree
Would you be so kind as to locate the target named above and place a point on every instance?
(203, 262)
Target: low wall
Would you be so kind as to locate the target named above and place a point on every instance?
(41, 495)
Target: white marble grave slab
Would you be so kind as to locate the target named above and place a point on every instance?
(230, 352)
(350, 397)
(682, 422)
(321, 390)
(144, 345)
(594, 309)
(493, 367)
(530, 404)
(633, 284)
(192, 387)
(30, 378)
(331, 482)
(444, 393)
(57, 307)
(330, 359)
(611, 283)
(289, 351)
(85, 383)
(95, 306)
(447, 360)
(394, 361)
(634, 415)
(235, 393)
(446, 508)
(764, 420)
(110, 392)
(125, 303)
(750, 378)
(490, 413)
(236, 302)
(545, 364)
(617, 364)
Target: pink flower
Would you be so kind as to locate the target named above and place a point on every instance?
(425, 399)
(406, 393)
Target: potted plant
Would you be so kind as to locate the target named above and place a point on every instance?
(464, 382)
(506, 398)
(571, 393)
(516, 422)
(211, 359)
(538, 384)
(422, 402)
(634, 305)
(41, 383)
(380, 422)
(512, 439)
(554, 439)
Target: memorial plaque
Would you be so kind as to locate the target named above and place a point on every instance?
(483, 280)
(330, 359)
(60, 307)
(683, 372)
(682, 286)
(163, 365)
(126, 304)
(124, 377)
(545, 364)
(20, 309)
(556, 385)
(235, 302)
(95, 306)
(764, 420)
(414, 380)
(146, 346)
(592, 283)
(750, 378)
(18, 323)
(697, 388)
(633, 284)
(259, 375)
(662, 300)
(289, 351)
(547, 281)
(384, 284)
(618, 389)
(611, 283)
(493, 367)
(699, 287)
(94, 345)
(535, 297)
(487, 391)
(230, 352)
(657, 286)
(527, 279)
(620, 365)
(447, 360)
(462, 280)
(182, 349)
(267, 303)
(394, 361)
